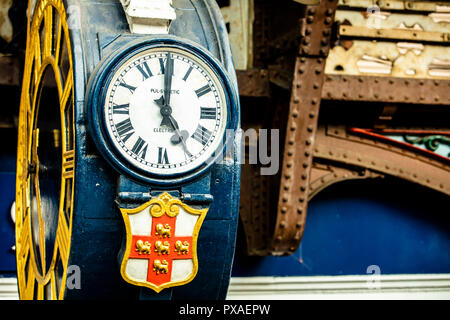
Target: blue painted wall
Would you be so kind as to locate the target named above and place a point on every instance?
(7, 197)
(400, 227)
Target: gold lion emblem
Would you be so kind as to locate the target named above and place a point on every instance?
(160, 266)
(143, 247)
(162, 231)
(182, 247)
(162, 248)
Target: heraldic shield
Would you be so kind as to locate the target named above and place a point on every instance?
(161, 244)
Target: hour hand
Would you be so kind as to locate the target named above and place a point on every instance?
(165, 112)
(160, 101)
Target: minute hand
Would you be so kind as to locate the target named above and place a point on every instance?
(179, 135)
(168, 73)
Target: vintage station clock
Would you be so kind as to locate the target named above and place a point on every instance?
(123, 186)
(160, 109)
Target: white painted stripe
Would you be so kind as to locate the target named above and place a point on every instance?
(359, 287)
(402, 286)
(8, 289)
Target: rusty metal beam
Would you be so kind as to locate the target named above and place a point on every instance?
(394, 34)
(301, 127)
(386, 89)
(384, 158)
(324, 174)
(253, 83)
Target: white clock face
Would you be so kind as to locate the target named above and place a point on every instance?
(165, 111)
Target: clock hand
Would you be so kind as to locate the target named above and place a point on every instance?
(164, 110)
(168, 73)
(164, 101)
(180, 136)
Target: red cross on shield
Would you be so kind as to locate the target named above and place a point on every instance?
(161, 246)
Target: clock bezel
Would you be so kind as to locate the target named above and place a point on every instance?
(97, 90)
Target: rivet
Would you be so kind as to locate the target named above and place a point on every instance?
(308, 142)
(298, 225)
(296, 100)
(310, 128)
(282, 224)
(289, 164)
(291, 142)
(283, 209)
(302, 188)
(311, 11)
(316, 86)
(290, 153)
(305, 164)
(304, 176)
(299, 210)
(295, 113)
(312, 114)
(301, 199)
(307, 153)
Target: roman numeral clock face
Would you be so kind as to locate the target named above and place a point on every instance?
(165, 111)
